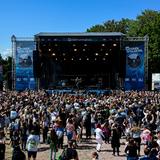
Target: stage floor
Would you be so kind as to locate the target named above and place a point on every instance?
(79, 92)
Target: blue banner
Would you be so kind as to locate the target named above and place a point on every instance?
(134, 79)
(24, 65)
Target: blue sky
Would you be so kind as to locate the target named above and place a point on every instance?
(25, 18)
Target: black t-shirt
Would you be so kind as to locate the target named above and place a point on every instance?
(132, 150)
(71, 153)
(18, 154)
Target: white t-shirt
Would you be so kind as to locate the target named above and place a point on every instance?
(158, 141)
(99, 133)
(13, 114)
(32, 143)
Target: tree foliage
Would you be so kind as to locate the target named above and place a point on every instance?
(7, 68)
(147, 23)
(112, 26)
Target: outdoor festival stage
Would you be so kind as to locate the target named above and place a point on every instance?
(80, 61)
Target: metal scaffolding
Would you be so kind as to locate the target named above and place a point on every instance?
(123, 41)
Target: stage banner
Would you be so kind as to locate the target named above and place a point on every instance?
(24, 65)
(134, 79)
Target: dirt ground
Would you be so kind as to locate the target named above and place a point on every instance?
(85, 149)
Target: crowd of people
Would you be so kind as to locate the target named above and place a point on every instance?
(33, 116)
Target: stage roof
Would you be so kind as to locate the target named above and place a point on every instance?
(50, 34)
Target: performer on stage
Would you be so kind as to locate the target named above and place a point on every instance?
(77, 82)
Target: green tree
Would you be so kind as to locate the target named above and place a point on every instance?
(7, 70)
(7, 73)
(112, 26)
(147, 23)
(96, 28)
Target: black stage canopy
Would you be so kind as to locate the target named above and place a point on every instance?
(79, 60)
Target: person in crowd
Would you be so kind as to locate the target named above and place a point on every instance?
(158, 138)
(15, 139)
(153, 147)
(45, 128)
(115, 139)
(53, 141)
(18, 154)
(136, 135)
(33, 108)
(87, 123)
(106, 132)
(99, 137)
(2, 145)
(23, 135)
(146, 136)
(131, 150)
(146, 155)
(70, 153)
(32, 145)
(70, 129)
(60, 133)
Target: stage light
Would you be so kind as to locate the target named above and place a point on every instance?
(74, 45)
(72, 59)
(101, 49)
(95, 59)
(63, 54)
(75, 49)
(56, 59)
(103, 44)
(106, 54)
(104, 59)
(114, 44)
(53, 54)
(49, 49)
(84, 49)
(96, 54)
(87, 59)
(85, 44)
(64, 59)
(80, 59)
